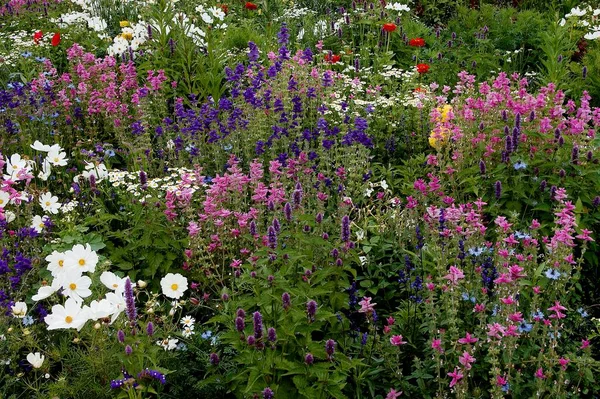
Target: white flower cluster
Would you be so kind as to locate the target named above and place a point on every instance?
(55, 156)
(99, 171)
(397, 7)
(83, 18)
(171, 182)
(212, 16)
(295, 13)
(132, 36)
(586, 17)
(187, 323)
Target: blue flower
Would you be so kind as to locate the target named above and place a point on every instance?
(26, 54)
(525, 327)
(207, 334)
(538, 315)
(40, 59)
(552, 274)
(505, 387)
(582, 312)
(28, 320)
(520, 165)
(521, 236)
(109, 153)
(552, 336)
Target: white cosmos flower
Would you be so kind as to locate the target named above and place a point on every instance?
(15, 165)
(19, 309)
(38, 146)
(46, 290)
(56, 264)
(57, 157)
(168, 343)
(36, 359)
(174, 285)
(112, 281)
(49, 203)
(82, 258)
(38, 222)
(188, 321)
(4, 198)
(46, 171)
(76, 287)
(9, 216)
(100, 309)
(69, 316)
(118, 303)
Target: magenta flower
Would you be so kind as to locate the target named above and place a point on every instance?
(454, 275)
(393, 394)
(436, 345)
(563, 361)
(396, 340)
(456, 376)
(366, 306)
(466, 359)
(539, 373)
(557, 309)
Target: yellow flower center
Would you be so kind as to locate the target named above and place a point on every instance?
(61, 263)
(68, 319)
(73, 286)
(81, 262)
(42, 225)
(1, 201)
(47, 203)
(115, 285)
(56, 159)
(174, 287)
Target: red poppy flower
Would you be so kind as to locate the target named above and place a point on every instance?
(250, 6)
(389, 27)
(56, 39)
(224, 8)
(333, 58)
(422, 68)
(37, 36)
(418, 42)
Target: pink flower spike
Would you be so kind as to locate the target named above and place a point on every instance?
(466, 359)
(454, 275)
(537, 289)
(390, 321)
(468, 339)
(393, 394)
(584, 344)
(539, 373)
(436, 344)
(563, 361)
(585, 235)
(366, 305)
(396, 340)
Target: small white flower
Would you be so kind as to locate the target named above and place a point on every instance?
(4, 198)
(38, 146)
(57, 157)
(187, 332)
(19, 310)
(82, 258)
(188, 321)
(112, 281)
(168, 343)
(38, 224)
(118, 303)
(69, 316)
(49, 203)
(174, 285)
(46, 290)
(76, 287)
(36, 359)
(99, 309)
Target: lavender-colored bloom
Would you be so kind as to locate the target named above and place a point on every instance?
(252, 228)
(552, 192)
(575, 154)
(268, 393)
(363, 341)
(283, 37)
(172, 46)
(561, 141)
(543, 184)
(129, 301)
(272, 236)
(253, 52)
(518, 120)
(285, 300)
(240, 313)
(271, 334)
(532, 116)
(258, 324)
(498, 189)
(214, 359)
(482, 167)
(561, 173)
(287, 211)
(504, 115)
(239, 324)
(345, 229)
(509, 144)
(330, 347)
(150, 329)
(251, 340)
(589, 156)
(276, 225)
(128, 350)
(121, 336)
(311, 310)
(309, 359)
(584, 72)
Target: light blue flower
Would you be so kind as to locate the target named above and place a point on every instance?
(582, 312)
(26, 54)
(109, 153)
(207, 334)
(552, 274)
(28, 320)
(521, 236)
(520, 165)
(551, 335)
(525, 327)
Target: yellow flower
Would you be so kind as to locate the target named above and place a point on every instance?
(445, 110)
(127, 35)
(124, 24)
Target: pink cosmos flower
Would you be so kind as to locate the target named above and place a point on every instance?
(396, 340)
